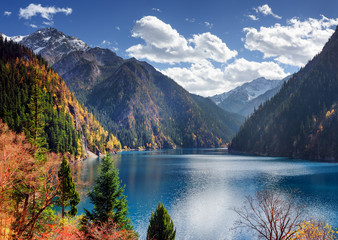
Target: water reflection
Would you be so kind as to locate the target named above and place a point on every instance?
(200, 186)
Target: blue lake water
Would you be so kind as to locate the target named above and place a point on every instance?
(199, 187)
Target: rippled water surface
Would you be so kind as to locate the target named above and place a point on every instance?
(200, 187)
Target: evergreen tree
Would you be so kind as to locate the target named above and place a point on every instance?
(161, 227)
(36, 121)
(68, 194)
(107, 196)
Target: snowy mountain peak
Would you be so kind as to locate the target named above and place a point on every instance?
(51, 43)
(14, 39)
(248, 91)
(248, 96)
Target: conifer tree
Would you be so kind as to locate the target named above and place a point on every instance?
(107, 196)
(36, 122)
(161, 227)
(68, 195)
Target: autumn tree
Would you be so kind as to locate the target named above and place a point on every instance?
(68, 196)
(108, 198)
(14, 156)
(271, 215)
(108, 230)
(35, 195)
(161, 227)
(315, 230)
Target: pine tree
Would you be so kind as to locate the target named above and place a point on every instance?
(107, 197)
(36, 122)
(161, 227)
(68, 195)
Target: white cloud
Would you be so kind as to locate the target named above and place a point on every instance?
(7, 13)
(163, 44)
(266, 10)
(192, 20)
(156, 9)
(208, 24)
(33, 26)
(110, 45)
(293, 44)
(202, 52)
(46, 12)
(253, 17)
(51, 23)
(204, 79)
(117, 28)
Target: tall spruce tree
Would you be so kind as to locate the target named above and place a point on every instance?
(68, 195)
(36, 122)
(161, 227)
(107, 197)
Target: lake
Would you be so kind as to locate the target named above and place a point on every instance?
(199, 187)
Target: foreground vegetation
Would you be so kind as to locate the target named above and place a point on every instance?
(33, 181)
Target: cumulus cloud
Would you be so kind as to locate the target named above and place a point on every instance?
(293, 44)
(156, 9)
(266, 10)
(7, 13)
(253, 17)
(46, 12)
(206, 80)
(202, 53)
(163, 44)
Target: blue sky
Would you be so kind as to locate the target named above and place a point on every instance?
(208, 47)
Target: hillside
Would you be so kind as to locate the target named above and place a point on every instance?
(301, 120)
(35, 100)
(145, 108)
(137, 103)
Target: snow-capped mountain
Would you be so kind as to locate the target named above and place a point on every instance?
(246, 97)
(50, 43)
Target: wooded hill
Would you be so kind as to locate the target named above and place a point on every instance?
(301, 121)
(34, 99)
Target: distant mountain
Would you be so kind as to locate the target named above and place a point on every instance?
(301, 121)
(245, 98)
(35, 100)
(50, 43)
(140, 105)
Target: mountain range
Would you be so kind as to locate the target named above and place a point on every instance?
(133, 100)
(301, 121)
(246, 98)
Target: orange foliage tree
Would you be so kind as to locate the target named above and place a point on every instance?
(15, 155)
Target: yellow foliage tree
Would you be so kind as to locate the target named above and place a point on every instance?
(315, 230)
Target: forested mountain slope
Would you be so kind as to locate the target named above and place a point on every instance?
(301, 120)
(146, 108)
(35, 100)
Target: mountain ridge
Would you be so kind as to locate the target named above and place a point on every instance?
(135, 101)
